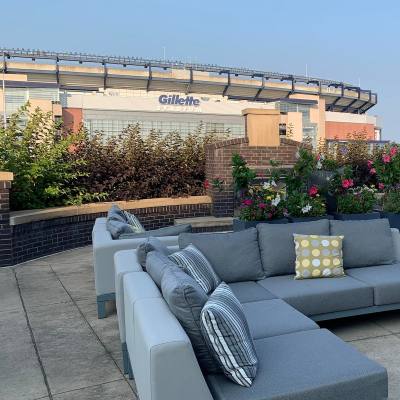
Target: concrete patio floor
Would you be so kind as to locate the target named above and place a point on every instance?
(52, 346)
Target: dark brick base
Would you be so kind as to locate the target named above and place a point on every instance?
(37, 239)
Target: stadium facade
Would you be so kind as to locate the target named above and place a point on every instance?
(106, 94)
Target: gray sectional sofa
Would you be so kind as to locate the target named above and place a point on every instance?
(297, 359)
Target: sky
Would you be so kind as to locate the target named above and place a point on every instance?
(352, 41)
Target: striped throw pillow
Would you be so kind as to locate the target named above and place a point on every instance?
(195, 264)
(225, 329)
(132, 220)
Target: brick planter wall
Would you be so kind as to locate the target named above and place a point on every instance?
(5, 229)
(219, 165)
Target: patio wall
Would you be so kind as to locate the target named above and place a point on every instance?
(25, 235)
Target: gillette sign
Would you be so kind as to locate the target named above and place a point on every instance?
(176, 100)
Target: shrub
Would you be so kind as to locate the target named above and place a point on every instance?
(357, 200)
(310, 204)
(241, 173)
(386, 166)
(391, 202)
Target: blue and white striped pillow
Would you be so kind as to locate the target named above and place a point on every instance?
(195, 264)
(132, 220)
(225, 329)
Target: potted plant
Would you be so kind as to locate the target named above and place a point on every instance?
(263, 204)
(356, 203)
(391, 208)
(306, 206)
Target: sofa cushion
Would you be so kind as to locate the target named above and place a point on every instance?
(156, 264)
(250, 291)
(118, 228)
(275, 317)
(194, 263)
(366, 242)
(276, 244)
(116, 213)
(174, 230)
(385, 279)
(235, 256)
(186, 299)
(225, 329)
(312, 365)
(318, 256)
(133, 221)
(148, 245)
(320, 296)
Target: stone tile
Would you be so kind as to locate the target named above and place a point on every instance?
(350, 329)
(106, 329)
(20, 374)
(79, 284)
(389, 321)
(9, 295)
(40, 286)
(72, 356)
(82, 254)
(385, 350)
(118, 390)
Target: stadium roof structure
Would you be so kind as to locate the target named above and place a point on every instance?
(68, 72)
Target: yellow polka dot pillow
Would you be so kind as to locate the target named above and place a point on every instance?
(318, 256)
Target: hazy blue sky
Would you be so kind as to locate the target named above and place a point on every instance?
(353, 41)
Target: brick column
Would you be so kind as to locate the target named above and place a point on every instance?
(5, 230)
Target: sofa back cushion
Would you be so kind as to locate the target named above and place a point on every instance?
(235, 256)
(174, 230)
(277, 247)
(116, 213)
(186, 299)
(119, 228)
(365, 243)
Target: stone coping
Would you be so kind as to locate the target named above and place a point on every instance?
(6, 176)
(26, 216)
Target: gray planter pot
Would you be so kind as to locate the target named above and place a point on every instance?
(239, 225)
(394, 219)
(307, 219)
(356, 217)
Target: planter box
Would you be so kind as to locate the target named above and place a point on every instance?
(356, 217)
(239, 225)
(394, 219)
(307, 219)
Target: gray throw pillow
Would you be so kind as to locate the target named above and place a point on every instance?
(156, 264)
(132, 220)
(151, 244)
(224, 327)
(235, 256)
(118, 228)
(186, 299)
(194, 263)
(174, 230)
(116, 213)
(365, 243)
(277, 247)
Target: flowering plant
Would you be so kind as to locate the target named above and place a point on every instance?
(310, 204)
(391, 202)
(263, 202)
(356, 200)
(386, 167)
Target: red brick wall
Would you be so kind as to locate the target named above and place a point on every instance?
(219, 165)
(341, 130)
(5, 230)
(72, 118)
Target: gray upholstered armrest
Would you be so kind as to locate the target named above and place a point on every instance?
(168, 367)
(396, 243)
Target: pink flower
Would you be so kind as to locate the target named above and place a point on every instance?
(381, 186)
(347, 183)
(262, 205)
(370, 163)
(206, 184)
(386, 158)
(248, 202)
(269, 216)
(372, 171)
(393, 151)
(318, 157)
(313, 191)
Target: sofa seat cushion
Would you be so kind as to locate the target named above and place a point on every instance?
(235, 256)
(268, 318)
(385, 279)
(277, 246)
(320, 296)
(250, 291)
(312, 365)
(366, 243)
